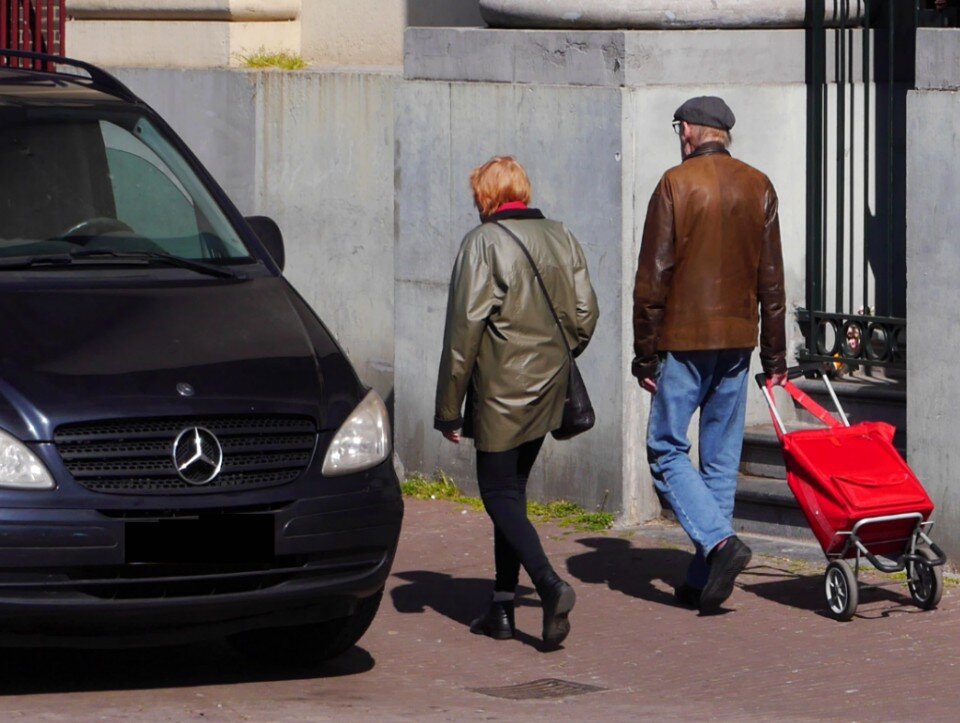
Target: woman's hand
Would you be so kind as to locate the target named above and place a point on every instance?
(452, 436)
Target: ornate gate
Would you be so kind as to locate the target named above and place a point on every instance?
(857, 80)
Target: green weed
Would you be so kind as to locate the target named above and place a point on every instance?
(282, 59)
(566, 514)
(439, 487)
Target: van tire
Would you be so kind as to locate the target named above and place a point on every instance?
(305, 645)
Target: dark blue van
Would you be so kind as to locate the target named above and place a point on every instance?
(185, 450)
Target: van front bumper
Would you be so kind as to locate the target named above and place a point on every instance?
(76, 577)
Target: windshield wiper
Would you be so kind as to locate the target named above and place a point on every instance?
(147, 257)
(23, 262)
(163, 258)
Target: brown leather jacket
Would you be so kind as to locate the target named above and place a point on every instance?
(710, 255)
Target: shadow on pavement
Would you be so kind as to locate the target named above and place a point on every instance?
(29, 671)
(630, 570)
(635, 571)
(459, 598)
(806, 592)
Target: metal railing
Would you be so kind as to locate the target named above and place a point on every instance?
(855, 309)
(32, 25)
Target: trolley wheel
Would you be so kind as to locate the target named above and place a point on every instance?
(843, 592)
(925, 580)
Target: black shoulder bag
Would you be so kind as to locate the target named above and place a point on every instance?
(578, 415)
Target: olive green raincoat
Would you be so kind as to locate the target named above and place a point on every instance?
(501, 339)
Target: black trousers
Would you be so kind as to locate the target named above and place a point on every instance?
(503, 488)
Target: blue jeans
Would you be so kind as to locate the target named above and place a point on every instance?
(715, 382)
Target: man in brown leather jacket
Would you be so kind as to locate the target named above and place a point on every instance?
(709, 260)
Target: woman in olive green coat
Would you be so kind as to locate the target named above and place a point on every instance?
(503, 352)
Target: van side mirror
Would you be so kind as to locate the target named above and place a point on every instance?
(269, 234)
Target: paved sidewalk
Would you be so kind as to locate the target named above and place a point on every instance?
(773, 656)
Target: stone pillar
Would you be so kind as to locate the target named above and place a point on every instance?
(933, 268)
(180, 33)
(588, 113)
(655, 14)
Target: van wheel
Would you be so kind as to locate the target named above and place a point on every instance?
(309, 644)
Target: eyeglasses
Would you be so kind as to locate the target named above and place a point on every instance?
(677, 126)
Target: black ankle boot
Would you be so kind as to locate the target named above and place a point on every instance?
(557, 599)
(496, 621)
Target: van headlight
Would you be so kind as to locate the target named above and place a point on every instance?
(20, 468)
(362, 442)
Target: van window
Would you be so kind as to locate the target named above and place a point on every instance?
(78, 178)
(147, 196)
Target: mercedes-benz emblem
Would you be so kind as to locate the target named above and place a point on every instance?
(197, 455)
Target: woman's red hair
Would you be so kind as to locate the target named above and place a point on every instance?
(499, 181)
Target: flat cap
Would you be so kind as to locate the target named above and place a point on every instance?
(706, 110)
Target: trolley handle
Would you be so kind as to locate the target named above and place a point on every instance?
(804, 369)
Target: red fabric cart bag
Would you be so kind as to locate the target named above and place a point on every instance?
(841, 475)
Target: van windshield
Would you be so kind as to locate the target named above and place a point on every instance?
(94, 179)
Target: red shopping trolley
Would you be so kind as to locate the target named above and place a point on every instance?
(860, 499)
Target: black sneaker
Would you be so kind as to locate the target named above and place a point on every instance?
(496, 621)
(725, 564)
(687, 595)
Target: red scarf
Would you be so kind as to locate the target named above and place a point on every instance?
(511, 206)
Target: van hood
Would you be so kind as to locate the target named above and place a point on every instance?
(73, 354)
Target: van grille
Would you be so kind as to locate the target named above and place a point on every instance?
(136, 456)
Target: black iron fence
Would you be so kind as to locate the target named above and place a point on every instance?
(859, 70)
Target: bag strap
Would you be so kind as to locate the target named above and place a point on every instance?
(536, 272)
(799, 396)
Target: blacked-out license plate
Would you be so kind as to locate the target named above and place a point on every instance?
(213, 538)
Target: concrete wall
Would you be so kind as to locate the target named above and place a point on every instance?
(596, 147)
(933, 268)
(175, 44)
(370, 32)
(315, 152)
(568, 139)
(212, 33)
(180, 33)
(367, 175)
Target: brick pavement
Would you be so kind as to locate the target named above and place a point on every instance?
(773, 656)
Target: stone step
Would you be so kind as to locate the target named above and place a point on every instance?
(764, 503)
(761, 455)
(766, 506)
(863, 399)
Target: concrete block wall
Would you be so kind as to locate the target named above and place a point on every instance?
(180, 34)
(214, 33)
(366, 173)
(588, 113)
(315, 152)
(568, 139)
(370, 32)
(933, 268)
